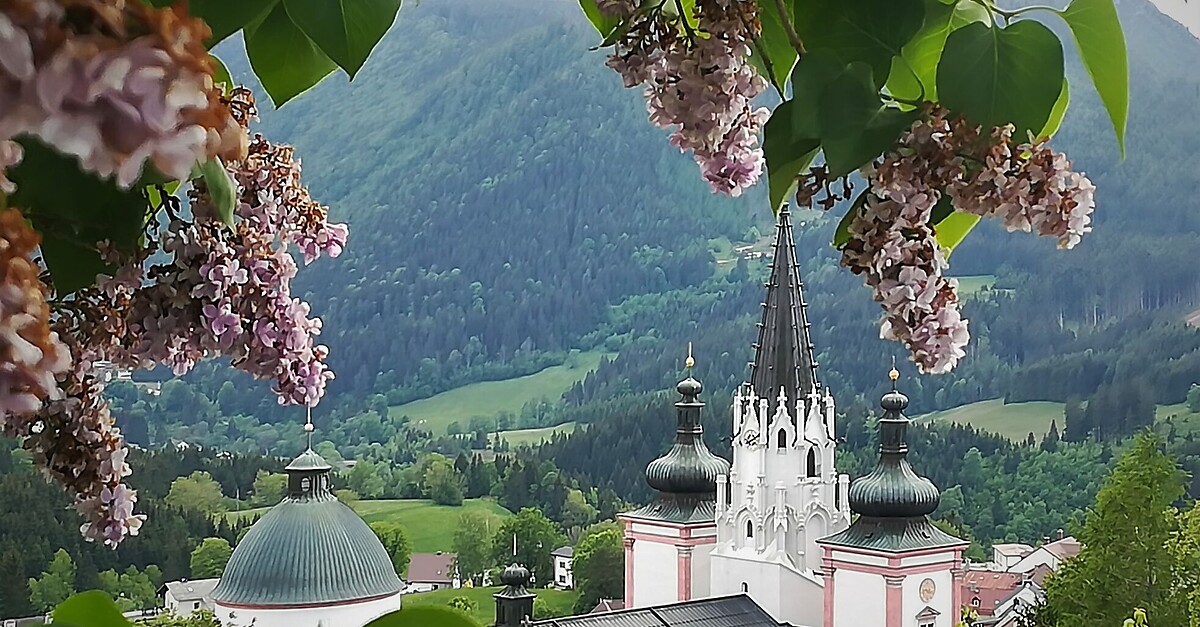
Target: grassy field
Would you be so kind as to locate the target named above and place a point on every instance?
(430, 527)
(1013, 421)
(970, 285)
(531, 437)
(1185, 420)
(560, 602)
(492, 397)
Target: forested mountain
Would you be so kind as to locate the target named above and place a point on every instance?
(508, 201)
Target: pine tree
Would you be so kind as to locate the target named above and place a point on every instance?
(1126, 561)
(14, 589)
(1050, 442)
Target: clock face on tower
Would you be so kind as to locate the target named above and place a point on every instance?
(927, 589)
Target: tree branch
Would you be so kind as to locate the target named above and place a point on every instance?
(790, 28)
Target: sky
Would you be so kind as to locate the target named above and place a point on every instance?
(1186, 13)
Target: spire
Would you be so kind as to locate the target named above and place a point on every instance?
(783, 356)
(893, 489)
(514, 603)
(309, 428)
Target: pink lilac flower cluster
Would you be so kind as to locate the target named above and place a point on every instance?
(116, 84)
(893, 241)
(1030, 188)
(199, 288)
(701, 85)
(227, 291)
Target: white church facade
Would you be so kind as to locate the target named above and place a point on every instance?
(775, 523)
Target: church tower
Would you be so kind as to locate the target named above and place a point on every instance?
(783, 492)
(668, 542)
(893, 567)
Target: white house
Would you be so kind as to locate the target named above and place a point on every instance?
(563, 557)
(432, 571)
(181, 598)
(1052, 555)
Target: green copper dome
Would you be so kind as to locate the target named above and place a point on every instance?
(893, 489)
(309, 549)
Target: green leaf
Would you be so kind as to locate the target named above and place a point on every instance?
(841, 236)
(780, 55)
(345, 30)
(285, 60)
(997, 76)
(1098, 33)
(951, 231)
(605, 25)
(916, 66)
(870, 31)
(855, 126)
(1058, 112)
(220, 188)
(94, 609)
(787, 155)
(226, 17)
(424, 616)
(221, 75)
(74, 210)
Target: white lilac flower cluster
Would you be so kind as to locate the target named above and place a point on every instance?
(116, 84)
(699, 84)
(893, 241)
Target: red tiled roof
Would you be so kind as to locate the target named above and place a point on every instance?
(989, 587)
(608, 605)
(431, 568)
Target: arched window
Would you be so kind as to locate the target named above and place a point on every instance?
(781, 441)
(745, 587)
(749, 529)
(812, 462)
(305, 484)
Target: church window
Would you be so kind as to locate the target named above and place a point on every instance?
(925, 623)
(745, 587)
(812, 462)
(749, 529)
(305, 484)
(975, 602)
(781, 442)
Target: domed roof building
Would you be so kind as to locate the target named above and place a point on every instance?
(309, 562)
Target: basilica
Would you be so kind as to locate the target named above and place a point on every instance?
(778, 536)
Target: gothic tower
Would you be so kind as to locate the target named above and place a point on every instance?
(668, 542)
(783, 492)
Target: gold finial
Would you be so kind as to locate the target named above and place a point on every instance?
(894, 374)
(689, 362)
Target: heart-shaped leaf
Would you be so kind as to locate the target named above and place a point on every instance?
(915, 69)
(1101, 41)
(855, 126)
(285, 60)
(997, 76)
(773, 54)
(604, 24)
(345, 30)
(226, 17)
(870, 31)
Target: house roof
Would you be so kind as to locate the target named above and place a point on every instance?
(1039, 573)
(990, 587)
(185, 590)
(1013, 549)
(1065, 548)
(431, 568)
(608, 605)
(564, 551)
(731, 611)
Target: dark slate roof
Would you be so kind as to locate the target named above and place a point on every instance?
(892, 535)
(564, 551)
(308, 549)
(731, 611)
(678, 510)
(783, 355)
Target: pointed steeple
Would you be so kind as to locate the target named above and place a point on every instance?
(783, 355)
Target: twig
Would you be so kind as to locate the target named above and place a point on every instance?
(790, 28)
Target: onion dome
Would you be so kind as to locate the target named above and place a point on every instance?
(309, 549)
(689, 468)
(515, 575)
(893, 501)
(893, 489)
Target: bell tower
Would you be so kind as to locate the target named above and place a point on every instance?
(783, 492)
